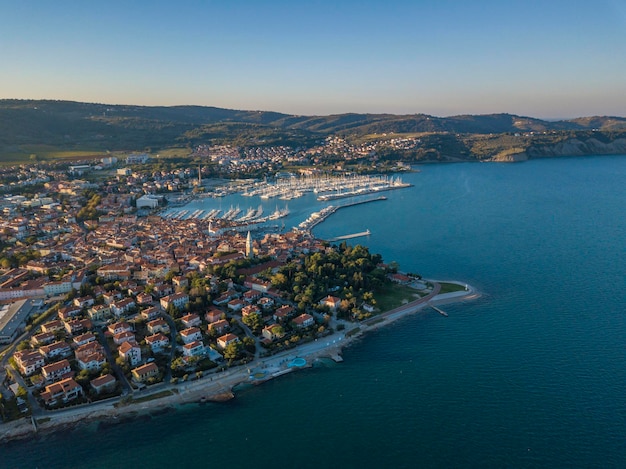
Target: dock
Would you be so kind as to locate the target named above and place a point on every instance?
(440, 311)
(350, 236)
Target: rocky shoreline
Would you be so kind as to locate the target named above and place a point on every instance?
(219, 388)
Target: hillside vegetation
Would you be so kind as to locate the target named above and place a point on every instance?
(53, 128)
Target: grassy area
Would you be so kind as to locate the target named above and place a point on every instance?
(174, 152)
(450, 287)
(36, 153)
(393, 296)
(43, 420)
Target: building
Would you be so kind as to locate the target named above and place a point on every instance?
(12, 320)
(179, 300)
(157, 342)
(193, 349)
(55, 350)
(331, 301)
(61, 392)
(158, 325)
(226, 339)
(304, 320)
(147, 201)
(103, 384)
(143, 373)
(249, 246)
(218, 327)
(57, 371)
(191, 334)
(131, 352)
(29, 361)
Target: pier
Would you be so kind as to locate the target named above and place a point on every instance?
(440, 311)
(350, 236)
(318, 217)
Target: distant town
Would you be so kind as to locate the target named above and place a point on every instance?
(109, 287)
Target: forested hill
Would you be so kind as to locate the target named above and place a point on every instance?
(74, 125)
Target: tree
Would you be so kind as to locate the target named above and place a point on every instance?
(232, 350)
(253, 321)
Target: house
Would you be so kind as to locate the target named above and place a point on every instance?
(61, 392)
(131, 352)
(193, 349)
(251, 295)
(103, 384)
(163, 290)
(69, 312)
(57, 371)
(236, 304)
(331, 301)
(83, 302)
(123, 337)
(122, 306)
(158, 325)
(191, 334)
(118, 327)
(83, 339)
(213, 315)
(250, 309)
(179, 300)
(304, 320)
(272, 332)
(92, 362)
(99, 312)
(144, 372)
(226, 339)
(144, 299)
(52, 326)
(265, 303)
(29, 361)
(282, 313)
(256, 284)
(191, 320)
(112, 296)
(218, 327)
(56, 349)
(400, 278)
(77, 326)
(157, 342)
(180, 282)
(150, 313)
(43, 339)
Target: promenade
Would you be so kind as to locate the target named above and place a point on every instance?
(219, 385)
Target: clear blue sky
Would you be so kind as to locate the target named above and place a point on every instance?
(557, 58)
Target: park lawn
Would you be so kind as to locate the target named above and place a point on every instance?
(450, 287)
(392, 296)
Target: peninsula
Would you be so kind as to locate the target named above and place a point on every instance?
(118, 299)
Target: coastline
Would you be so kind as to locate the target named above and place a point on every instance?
(220, 387)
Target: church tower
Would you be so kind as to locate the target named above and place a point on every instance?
(249, 249)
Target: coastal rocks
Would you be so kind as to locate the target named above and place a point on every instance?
(221, 397)
(577, 147)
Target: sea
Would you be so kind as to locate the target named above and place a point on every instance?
(531, 374)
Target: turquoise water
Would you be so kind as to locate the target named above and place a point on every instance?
(533, 374)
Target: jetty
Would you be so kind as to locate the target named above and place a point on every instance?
(350, 236)
(439, 310)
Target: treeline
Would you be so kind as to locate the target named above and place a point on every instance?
(351, 273)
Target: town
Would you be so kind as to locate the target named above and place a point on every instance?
(104, 294)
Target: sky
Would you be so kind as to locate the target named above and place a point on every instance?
(546, 59)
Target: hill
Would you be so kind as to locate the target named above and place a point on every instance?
(27, 126)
